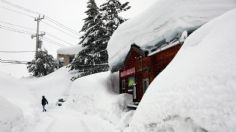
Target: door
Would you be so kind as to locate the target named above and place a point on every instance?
(123, 86)
(145, 84)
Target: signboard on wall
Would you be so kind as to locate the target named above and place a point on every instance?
(131, 81)
(127, 72)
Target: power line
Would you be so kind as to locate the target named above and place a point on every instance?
(47, 17)
(59, 39)
(50, 25)
(7, 23)
(54, 42)
(14, 30)
(61, 25)
(1, 51)
(29, 33)
(16, 11)
(14, 61)
(53, 36)
(19, 7)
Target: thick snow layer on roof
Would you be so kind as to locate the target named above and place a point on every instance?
(165, 20)
(196, 92)
(73, 50)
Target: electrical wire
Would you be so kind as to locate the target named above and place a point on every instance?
(7, 23)
(14, 30)
(14, 61)
(61, 25)
(53, 36)
(16, 11)
(29, 33)
(54, 42)
(1, 51)
(50, 25)
(19, 7)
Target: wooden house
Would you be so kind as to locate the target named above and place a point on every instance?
(141, 67)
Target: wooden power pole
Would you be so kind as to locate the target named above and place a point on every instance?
(38, 35)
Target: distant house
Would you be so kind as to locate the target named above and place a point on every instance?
(66, 55)
(141, 67)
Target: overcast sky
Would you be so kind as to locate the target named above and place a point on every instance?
(68, 12)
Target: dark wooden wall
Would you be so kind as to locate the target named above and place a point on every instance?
(146, 67)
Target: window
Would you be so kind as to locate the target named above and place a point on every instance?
(145, 84)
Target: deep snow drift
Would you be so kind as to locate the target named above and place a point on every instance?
(87, 104)
(10, 116)
(164, 21)
(196, 92)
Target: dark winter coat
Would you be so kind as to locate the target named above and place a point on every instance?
(44, 101)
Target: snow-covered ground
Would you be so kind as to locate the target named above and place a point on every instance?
(164, 21)
(196, 92)
(10, 116)
(89, 104)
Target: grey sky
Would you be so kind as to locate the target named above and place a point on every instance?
(67, 12)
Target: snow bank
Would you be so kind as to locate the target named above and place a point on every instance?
(164, 21)
(53, 86)
(16, 92)
(89, 101)
(196, 92)
(92, 95)
(10, 116)
(73, 50)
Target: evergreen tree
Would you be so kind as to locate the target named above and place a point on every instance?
(98, 28)
(43, 65)
(110, 15)
(94, 57)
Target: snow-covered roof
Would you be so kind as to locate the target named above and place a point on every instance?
(196, 91)
(73, 50)
(163, 22)
(164, 47)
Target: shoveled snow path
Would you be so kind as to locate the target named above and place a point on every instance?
(62, 119)
(88, 107)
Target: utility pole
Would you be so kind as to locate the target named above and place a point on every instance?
(37, 35)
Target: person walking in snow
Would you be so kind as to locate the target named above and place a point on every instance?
(44, 102)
